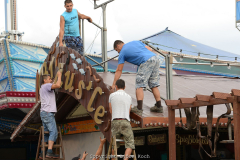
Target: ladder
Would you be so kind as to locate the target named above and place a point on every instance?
(113, 144)
(57, 146)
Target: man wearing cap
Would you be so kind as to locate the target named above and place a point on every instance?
(47, 112)
(139, 54)
(69, 27)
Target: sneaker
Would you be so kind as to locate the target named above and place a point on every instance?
(137, 111)
(156, 109)
(52, 155)
(41, 156)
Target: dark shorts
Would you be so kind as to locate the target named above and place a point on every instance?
(75, 43)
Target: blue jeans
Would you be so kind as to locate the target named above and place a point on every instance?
(49, 124)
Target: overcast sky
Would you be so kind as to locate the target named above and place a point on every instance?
(211, 22)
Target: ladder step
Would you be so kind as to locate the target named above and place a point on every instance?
(227, 141)
(46, 132)
(119, 140)
(51, 159)
(54, 146)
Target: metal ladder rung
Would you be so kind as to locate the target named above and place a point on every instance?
(120, 140)
(227, 141)
(54, 146)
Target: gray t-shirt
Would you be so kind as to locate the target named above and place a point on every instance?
(121, 103)
(47, 97)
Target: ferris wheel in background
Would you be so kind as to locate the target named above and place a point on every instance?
(238, 14)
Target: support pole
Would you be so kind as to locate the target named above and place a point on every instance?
(236, 122)
(171, 134)
(104, 55)
(83, 37)
(169, 84)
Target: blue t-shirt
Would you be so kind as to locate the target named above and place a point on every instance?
(71, 27)
(134, 52)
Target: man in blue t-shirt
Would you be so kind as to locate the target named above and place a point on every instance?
(138, 53)
(69, 27)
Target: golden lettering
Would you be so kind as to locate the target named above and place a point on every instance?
(51, 67)
(190, 139)
(45, 68)
(78, 92)
(96, 90)
(89, 86)
(98, 114)
(68, 86)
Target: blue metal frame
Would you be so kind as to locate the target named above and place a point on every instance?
(8, 63)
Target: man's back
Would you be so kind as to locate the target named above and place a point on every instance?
(47, 97)
(134, 52)
(121, 103)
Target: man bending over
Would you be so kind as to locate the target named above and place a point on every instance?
(138, 53)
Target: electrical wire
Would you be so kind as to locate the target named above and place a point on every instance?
(187, 50)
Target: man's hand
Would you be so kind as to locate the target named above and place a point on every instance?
(59, 74)
(102, 141)
(112, 89)
(89, 19)
(60, 44)
(84, 155)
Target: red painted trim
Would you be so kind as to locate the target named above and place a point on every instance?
(20, 94)
(2, 95)
(21, 105)
(3, 106)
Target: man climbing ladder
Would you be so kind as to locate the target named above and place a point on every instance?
(119, 106)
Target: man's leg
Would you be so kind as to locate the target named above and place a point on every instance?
(53, 133)
(153, 83)
(140, 96)
(126, 131)
(100, 148)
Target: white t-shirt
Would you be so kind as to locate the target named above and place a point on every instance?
(121, 103)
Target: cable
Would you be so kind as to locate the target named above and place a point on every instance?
(91, 45)
(189, 51)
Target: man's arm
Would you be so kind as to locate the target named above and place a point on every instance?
(149, 48)
(100, 148)
(61, 32)
(118, 74)
(110, 108)
(130, 110)
(82, 16)
(58, 84)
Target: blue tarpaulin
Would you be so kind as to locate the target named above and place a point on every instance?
(238, 10)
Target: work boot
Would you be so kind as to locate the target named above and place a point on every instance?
(137, 111)
(156, 109)
(52, 155)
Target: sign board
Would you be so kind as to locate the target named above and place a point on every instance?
(189, 140)
(157, 139)
(138, 141)
(79, 127)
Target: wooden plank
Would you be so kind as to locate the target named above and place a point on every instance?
(235, 92)
(172, 102)
(236, 121)
(204, 98)
(220, 95)
(172, 134)
(187, 100)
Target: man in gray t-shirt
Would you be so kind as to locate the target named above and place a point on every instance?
(47, 112)
(120, 106)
